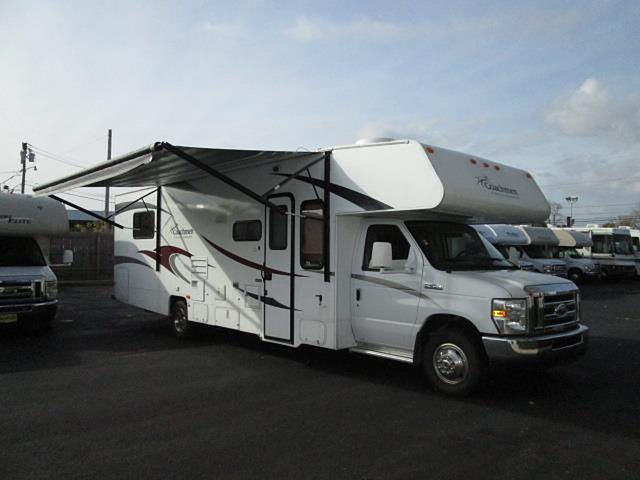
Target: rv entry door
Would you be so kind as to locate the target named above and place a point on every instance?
(278, 273)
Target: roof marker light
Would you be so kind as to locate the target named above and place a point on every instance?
(496, 167)
(529, 175)
(472, 161)
(429, 149)
(485, 164)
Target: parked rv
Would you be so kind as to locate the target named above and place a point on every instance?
(579, 268)
(507, 239)
(365, 247)
(28, 287)
(612, 249)
(635, 245)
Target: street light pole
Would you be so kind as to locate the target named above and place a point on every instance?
(571, 199)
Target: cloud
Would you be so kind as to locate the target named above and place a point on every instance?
(590, 111)
(539, 22)
(220, 28)
(306, 29)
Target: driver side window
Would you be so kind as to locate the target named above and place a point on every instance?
(390, 234)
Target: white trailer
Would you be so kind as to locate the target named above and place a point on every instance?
(28, 287)
(612, 249)
(365, 247)
(579, 268)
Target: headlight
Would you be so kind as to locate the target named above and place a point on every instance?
(510, 315)
(51, 289)
(547, 269)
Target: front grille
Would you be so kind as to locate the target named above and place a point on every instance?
(526, 267)
(15, 291)
(557, 312)
(559, 269)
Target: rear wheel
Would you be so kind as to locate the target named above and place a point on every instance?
(182, 327)
(454, 362)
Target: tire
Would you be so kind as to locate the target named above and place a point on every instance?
(180, 324)
(454, 362)
(575, 275)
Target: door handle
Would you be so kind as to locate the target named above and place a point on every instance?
(357, 294)
(433, 286)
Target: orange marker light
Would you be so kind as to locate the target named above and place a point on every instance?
(472, 161)
(429, 149)
(485, 165)
(499, 313)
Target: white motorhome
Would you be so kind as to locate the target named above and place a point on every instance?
(28, 287)
(612, 249)
(635, 244)
(364, 247)
(579, 268)
(506, 238)
(539, 251)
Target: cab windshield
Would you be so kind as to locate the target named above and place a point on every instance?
(567, 252)
(453, 246)
(537, 251)
(20, 252)
(622, 244)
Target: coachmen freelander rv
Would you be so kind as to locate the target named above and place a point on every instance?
(28, 287)
(612, 249)
(506, 238)
(364, 247)
(539, 251)
(578, 267)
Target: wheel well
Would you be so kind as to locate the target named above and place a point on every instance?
(437, 323)
(173, 299)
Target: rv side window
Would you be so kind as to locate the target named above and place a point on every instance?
(278, 228)
(143, 225)
(392, 235)
(247, 231)
(312, 234)
(601, 244)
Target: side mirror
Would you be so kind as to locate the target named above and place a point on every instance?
(380, 255)
(67, 257)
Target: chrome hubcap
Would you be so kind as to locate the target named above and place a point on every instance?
(450, 363)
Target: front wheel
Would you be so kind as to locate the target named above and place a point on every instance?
(575, 276)
(454, 362)
(181, 326)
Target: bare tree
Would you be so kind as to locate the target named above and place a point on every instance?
(554, 214)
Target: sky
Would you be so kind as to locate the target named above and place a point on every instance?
(551, 87)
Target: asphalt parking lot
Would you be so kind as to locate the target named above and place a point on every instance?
(111, 394)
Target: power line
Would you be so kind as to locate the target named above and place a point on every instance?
(56, 157)
(78, 147)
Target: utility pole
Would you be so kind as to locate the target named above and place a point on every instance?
(106, 190)
(26, 154)
(571, 199)
(23, 161)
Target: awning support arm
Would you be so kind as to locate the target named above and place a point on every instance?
(84, 210)
(131, 203)
(158, 227)
(326, 247)
(220, 176)
(291, 176)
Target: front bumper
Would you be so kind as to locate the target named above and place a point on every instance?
(552, 347)
(28, 310)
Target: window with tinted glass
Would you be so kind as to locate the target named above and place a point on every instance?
(143, 225)
(601, 244)
(389, 234)
(312, 234)
(278, 227)
(247, 231)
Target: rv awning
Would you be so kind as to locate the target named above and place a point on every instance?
(158, 165)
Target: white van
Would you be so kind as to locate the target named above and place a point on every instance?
(365, 247)
(28, 287)
(579, 268)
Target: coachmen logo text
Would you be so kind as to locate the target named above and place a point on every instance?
(17, 220)
(182, 232)
(496, 188)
